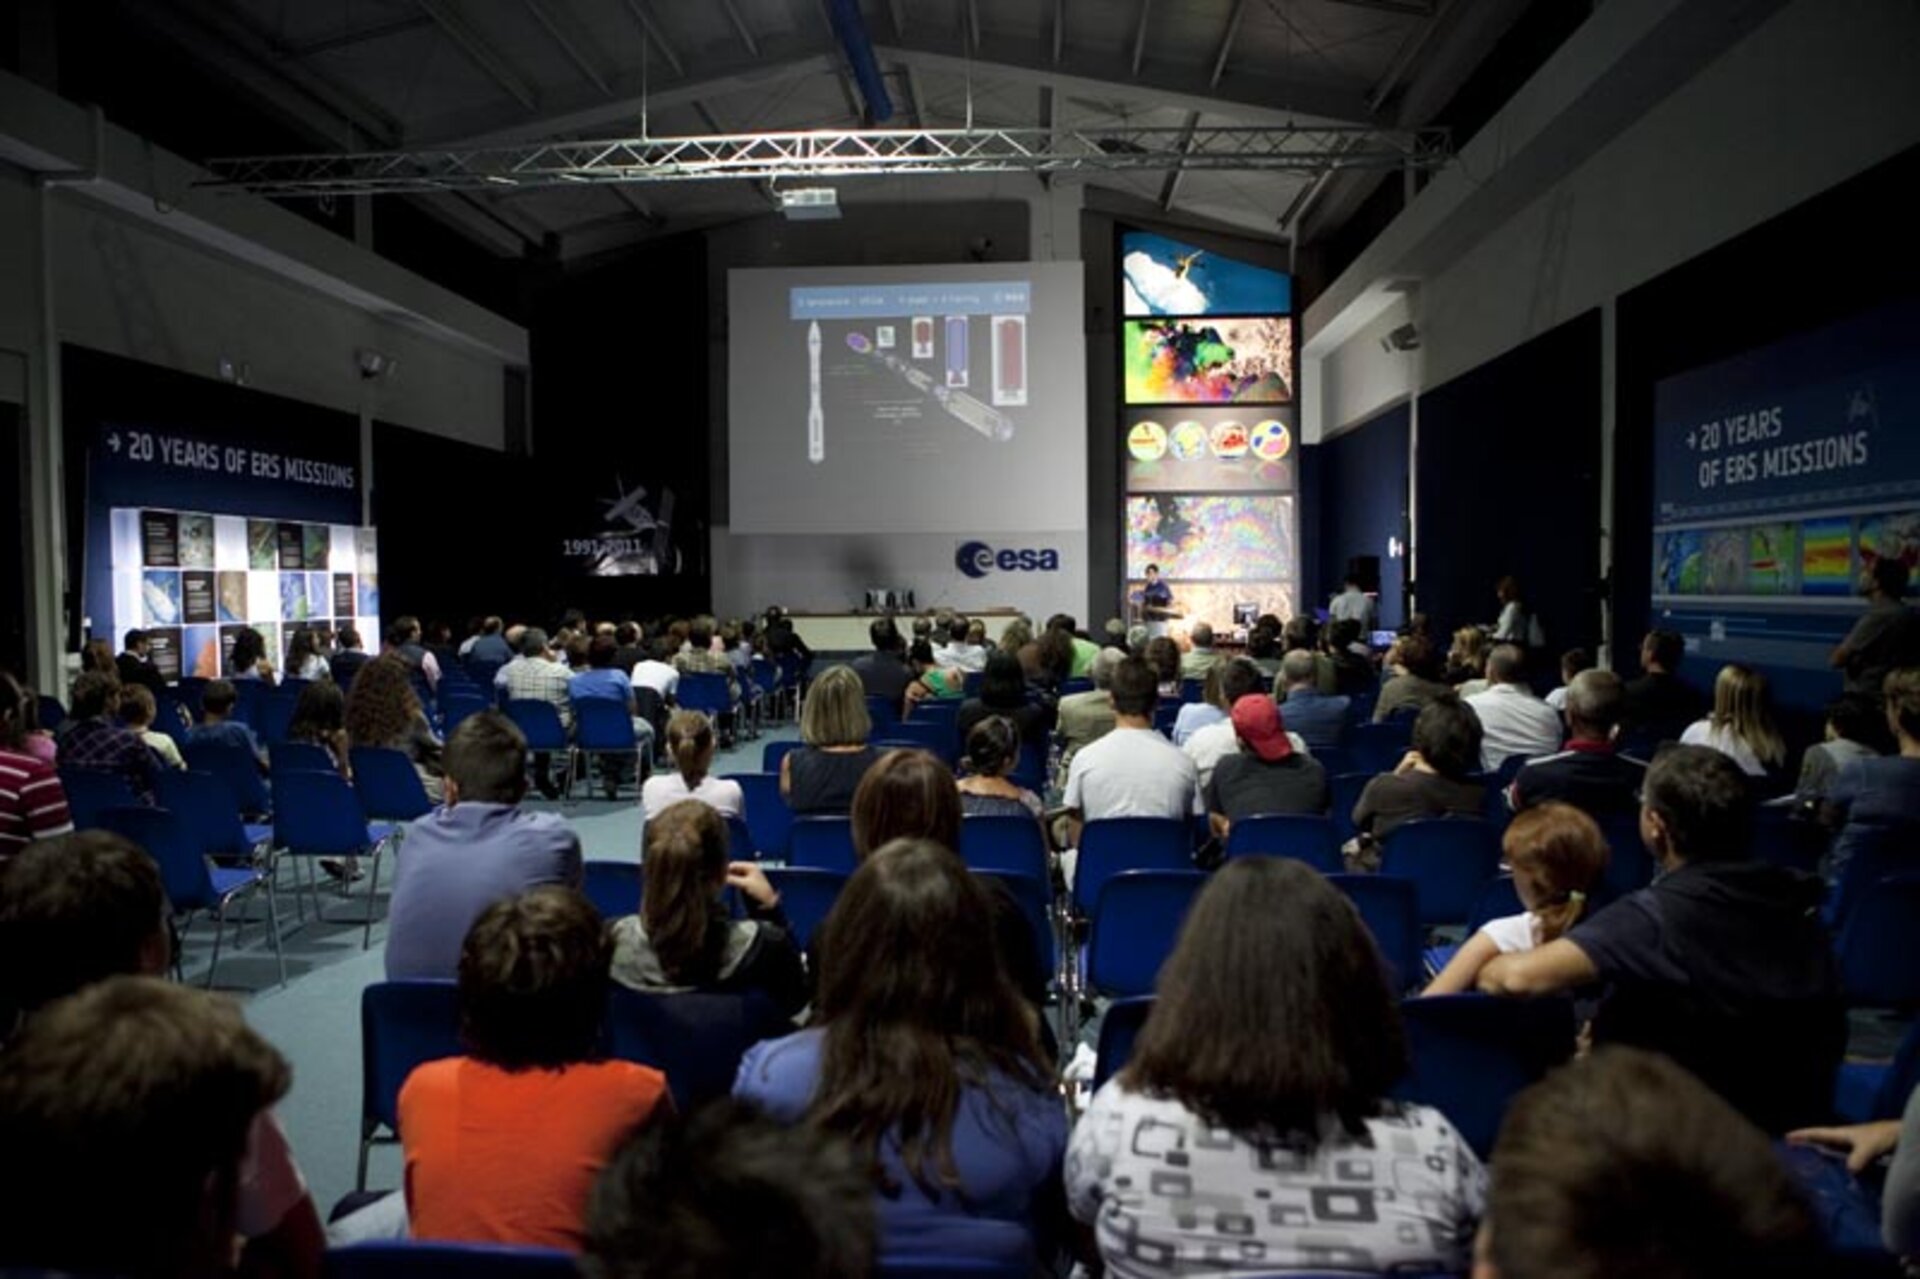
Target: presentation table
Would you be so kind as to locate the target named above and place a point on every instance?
(848, 632)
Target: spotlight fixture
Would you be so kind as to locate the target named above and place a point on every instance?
(373, 365)
(1404, 338)
(810, 204)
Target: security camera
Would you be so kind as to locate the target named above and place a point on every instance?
(372, 364)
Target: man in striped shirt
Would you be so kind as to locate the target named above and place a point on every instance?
(33, 804)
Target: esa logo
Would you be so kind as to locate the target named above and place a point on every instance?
(977, 559)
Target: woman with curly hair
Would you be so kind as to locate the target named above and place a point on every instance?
(383, 711)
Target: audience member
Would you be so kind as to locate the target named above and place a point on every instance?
(403, 641)
(1417, 681)
(383, 711)
(1132, 771)
(699, 658)
(89, 740)
(906, 794)
(1003, 692)
(1015, 636)
(605, 680)
(137, 713)
(1623, 1164)
(822, 775)
(968, 649)
(217, 724)
(728, 1191)
(320, 717)
(30, 737)
(1887, 638)
(1258, 1088)
(683, 939)
(1572, 662)
(992, 752)
(1591, 773)
(135, 664)
(348, 659)
(923, 1054)
(1855, 728)
(249, 659)
(1300, 632)
(1557, 855)
(1880, 795)
(1721, 963)
(303, 657)
(75, 911)
(1740, 726)
(1864, 1146)
(477, 848)
(1207, 747)
(691, 743)
(33, 804)
(1516, 624)
(503, 1145)
(1353, 672)
(536, 675)
(1512, 720)
(490, 645)
(1433, 779)
(931, 680)
(1055, 657)
(1087, 717)
(655, 672)
(1352, 605)
(1265, 649)
(1210, 709)
(1467, 661)
(1266, 775)
(1660, 704)
(884, 671)
(1198, 660)
(1163, 656)
(1320, 718)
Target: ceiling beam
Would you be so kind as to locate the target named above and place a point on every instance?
(642, 13)
(740, 26)
(1170, 189)
(478, 51)
(1226, 42)
(973, 21)
(584, 65)
(1140, 35)
(1059, 29)
(359, 35)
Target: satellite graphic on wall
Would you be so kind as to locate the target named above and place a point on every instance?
(636, 541)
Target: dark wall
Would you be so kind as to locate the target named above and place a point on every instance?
(1359, 487)
(13, 560)
(458, 534)
(1508, 478)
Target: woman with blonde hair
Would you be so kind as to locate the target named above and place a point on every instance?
(1467, 661)
(1557, 854)
(691, 743)
(1741, 724)
(822, 775)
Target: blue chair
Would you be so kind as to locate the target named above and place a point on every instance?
(52, 713)
(768, 817)
(319, 815)
(1346, 788)
(1869, 1090)
(614, 888)
(1136, 921)
(823, 843)
(458, 706)
(884, 712)
(247, 695)
(171, 716)
(1010, 843)
(1390, 908)
(1335, 759)
(1497, 899)
(740, 845)
(1164, 716)
(773, 752)
(308, 757)
(272, 715)
(1079, 684)
(1305, 837)
(1114, 844)
(92, 791)
(389, 785)
(208, 807)
(1036, 904)
(1377, 748)
(1629, 864)
(1030, 770)
(806, 897)
(1879, 946)
(696, 1039)
(1192, 690)
(1472, 1054)
(403, 1024)
(238, 769)
(191, 884)
(539, 722)
(1876, 852)
(1448, 859)
(970, 683)
(408, 1259)
(705, 691)
(192, 691)
(931, 735)
(1118, 1029)
(602, 726)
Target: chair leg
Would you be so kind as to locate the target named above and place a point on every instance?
(366, 1149)
(219, 931)
(273, 932)
(373, 889)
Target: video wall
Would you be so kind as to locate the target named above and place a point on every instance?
(1780, 477)
(1209, 422)
(192, 581)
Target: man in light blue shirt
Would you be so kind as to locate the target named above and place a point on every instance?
(479, 847)
(604, 680)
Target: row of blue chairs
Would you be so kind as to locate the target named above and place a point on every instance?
(410, 1260)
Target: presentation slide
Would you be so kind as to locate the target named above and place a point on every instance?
(907, 399)
(1780, 476)
(1209, 450)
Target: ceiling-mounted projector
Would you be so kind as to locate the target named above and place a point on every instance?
(810, 204)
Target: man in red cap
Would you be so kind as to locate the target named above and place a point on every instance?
(1268, 775)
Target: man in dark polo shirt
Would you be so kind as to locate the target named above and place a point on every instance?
(1722, 964)
(884, 671)
(1268, 775)
(1590, 773)
(1660, 704)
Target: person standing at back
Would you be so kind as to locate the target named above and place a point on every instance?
(1887, 637)
(477, 848)
(1352, 605)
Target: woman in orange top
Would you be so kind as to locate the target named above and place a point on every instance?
(503, 1145)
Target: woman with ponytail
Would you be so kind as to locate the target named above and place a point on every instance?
(1557, 854)
(993, 750)
(690, 742)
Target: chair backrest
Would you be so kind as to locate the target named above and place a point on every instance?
(52, 713)
(539, 722)
(768, 816)
(1114, 844)
(1497, 899)
(1345, 789)
(1136, 921)
(1079, 684)
(458, 706)
(389, 785)
(883, 711)
(1118, 1029)
(403, 1024)
(208, 807)
(1390, 908)
(247, 695)
(1782, 839)
(317, 814)
(1010, 842)
(412, 1259)
(1377, 748)
(806, 897)
(1879, 946)
(1164, 715)
(1034, 899)
(602, 724)
(1031, 769)
(482, 670)
(696, 1038)
(1305, 837)
(823, 843)
(273, 714)
(1335, 759)
(192, 690)
(302, 756)
(932, 735)
(1876, 852)
(92, 791)
(236, 767)
(169, 840)
(1471, 1054)
(1902, 1077)
(614, 888)
(1629, 864)
(1192, 690)
(705, 691)
(773, 752)
(740, 845)
(1448, 859)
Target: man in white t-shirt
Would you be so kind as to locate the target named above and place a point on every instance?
(662, 677)
(1132, 771)
(1352, 605)
(1512, 720)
